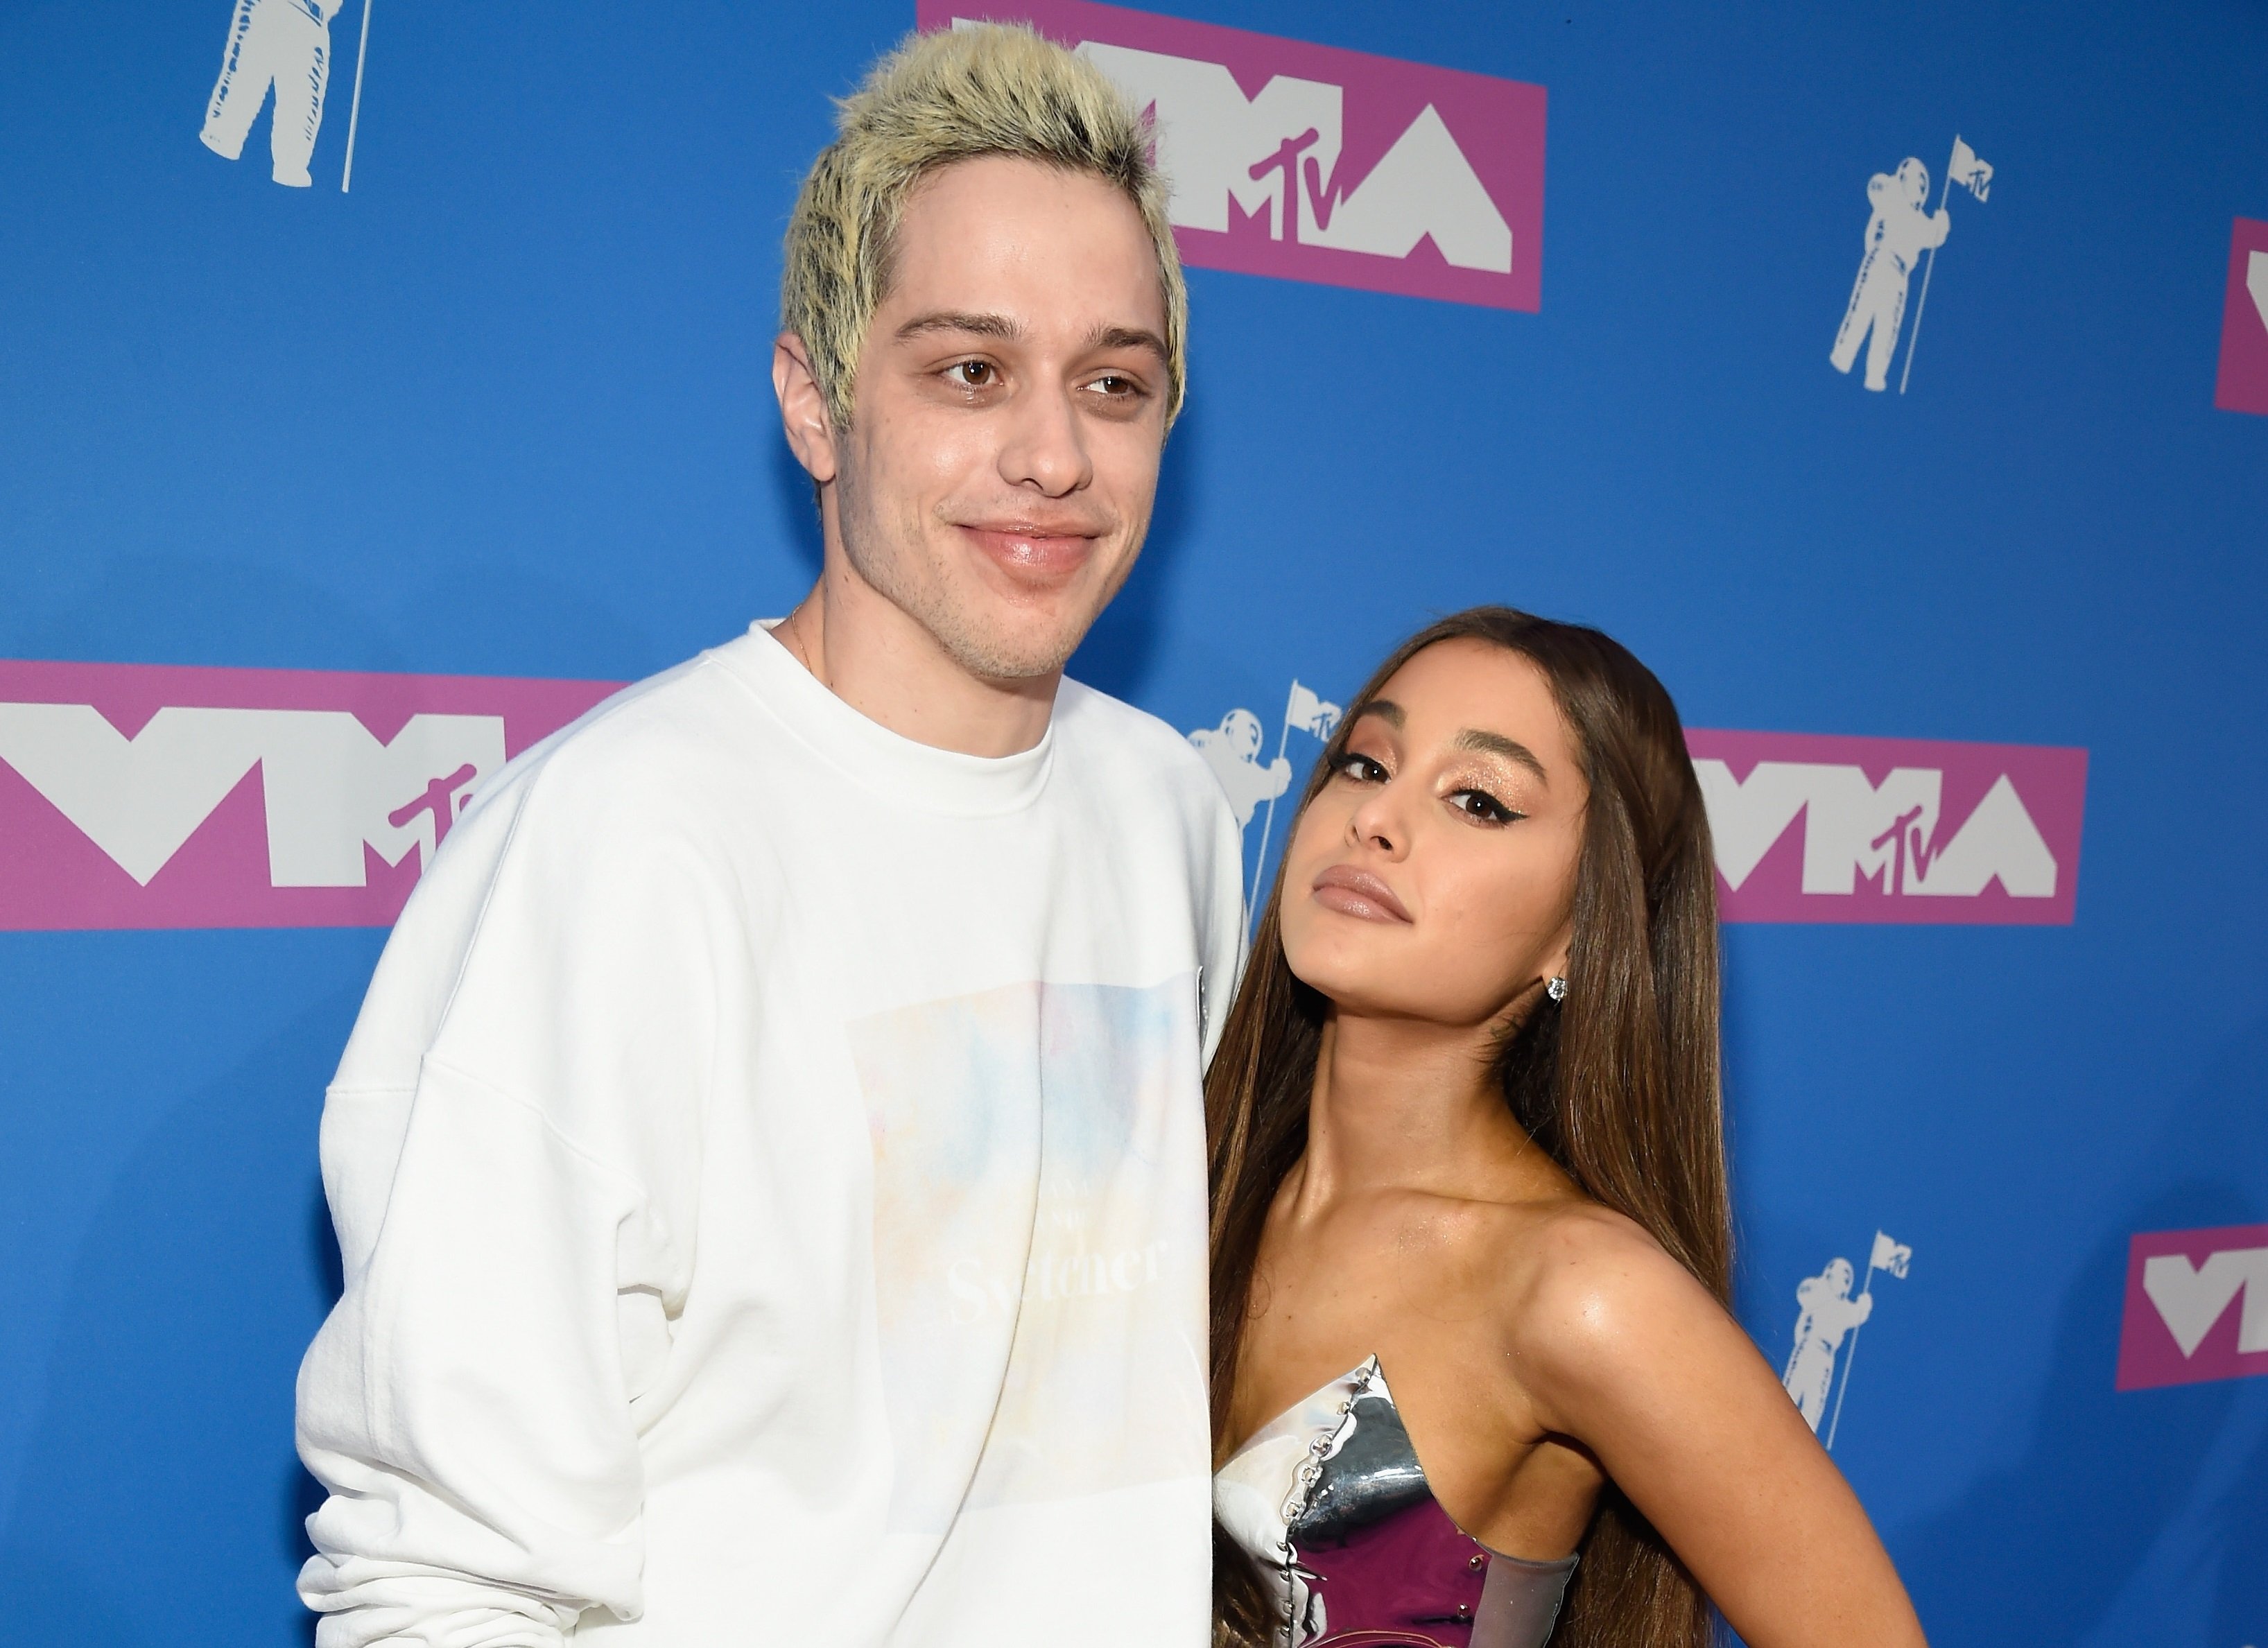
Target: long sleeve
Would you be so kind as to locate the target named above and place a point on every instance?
(511, 1155)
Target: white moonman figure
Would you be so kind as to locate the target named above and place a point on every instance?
(1829, 1314)
(286, 44)
(1232, 751)
(1900, 231)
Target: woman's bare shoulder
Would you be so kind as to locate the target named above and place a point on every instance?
(1576, 1284)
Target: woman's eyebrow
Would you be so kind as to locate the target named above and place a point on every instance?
(1385, 708)
(1511, 749)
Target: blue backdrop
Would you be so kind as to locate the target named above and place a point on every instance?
(502, 408)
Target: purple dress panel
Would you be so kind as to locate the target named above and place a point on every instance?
(1329, 1501)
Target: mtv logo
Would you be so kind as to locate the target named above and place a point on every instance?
(2243, 384)
(133, 796)
(2183, 1322)
(1853, 829)
(1310, 162)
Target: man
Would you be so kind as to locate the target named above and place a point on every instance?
(769, 1166)
(1899, 230)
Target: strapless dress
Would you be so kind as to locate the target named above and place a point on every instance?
(1330, 1502)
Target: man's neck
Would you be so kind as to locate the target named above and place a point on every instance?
(869, 652)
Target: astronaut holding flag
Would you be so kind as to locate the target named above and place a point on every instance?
(1900, 231)
(1828, 1313)
(1232, 751)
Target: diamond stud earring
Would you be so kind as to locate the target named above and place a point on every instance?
(1556, 988)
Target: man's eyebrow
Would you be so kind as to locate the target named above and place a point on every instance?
(1497, 744)
(992, 326)
(1124, 337)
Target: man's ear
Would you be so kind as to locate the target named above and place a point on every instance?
(803, 408)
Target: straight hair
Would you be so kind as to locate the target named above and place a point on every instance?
(1619, 1083)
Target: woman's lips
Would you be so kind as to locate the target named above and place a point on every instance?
(1359, 894)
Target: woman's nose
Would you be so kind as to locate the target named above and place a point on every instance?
(1378, 820)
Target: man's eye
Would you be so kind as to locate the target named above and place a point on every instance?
(972, 374)
(1116, 387)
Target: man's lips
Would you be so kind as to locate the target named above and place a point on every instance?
(1357, 892)
(1033, 551)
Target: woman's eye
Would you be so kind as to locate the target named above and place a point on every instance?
(1361, 769)
(974, 374)
(1479, 804)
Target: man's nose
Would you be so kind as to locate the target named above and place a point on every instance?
(1046, 447)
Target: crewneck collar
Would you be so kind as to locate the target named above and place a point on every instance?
(909, 772)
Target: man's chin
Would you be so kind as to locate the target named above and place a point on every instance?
(994, 659)
(1012, 647)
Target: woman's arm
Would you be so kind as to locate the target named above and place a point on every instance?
(1621, 1350)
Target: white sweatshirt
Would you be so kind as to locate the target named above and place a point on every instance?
(769, 1170)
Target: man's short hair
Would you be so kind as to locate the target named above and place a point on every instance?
(956, 94)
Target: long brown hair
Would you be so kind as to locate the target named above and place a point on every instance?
(1619, 1082)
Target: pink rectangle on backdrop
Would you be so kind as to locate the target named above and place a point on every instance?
(1891, 830)
(2204, 1297)
(1472, 166)
(209, 774)
(2241, 385)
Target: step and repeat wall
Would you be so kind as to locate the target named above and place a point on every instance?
(382, 381)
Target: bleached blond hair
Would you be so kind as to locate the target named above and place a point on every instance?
(957, 94)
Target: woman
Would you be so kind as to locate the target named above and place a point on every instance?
(1466, 1137)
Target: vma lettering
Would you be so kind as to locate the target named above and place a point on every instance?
(1831, 829)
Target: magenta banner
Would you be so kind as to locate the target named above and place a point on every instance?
(135, 795)
(2196, 1307)
(1822, 829)
(1310, 162)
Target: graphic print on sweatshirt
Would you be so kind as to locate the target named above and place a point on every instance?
(1038, 1224)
